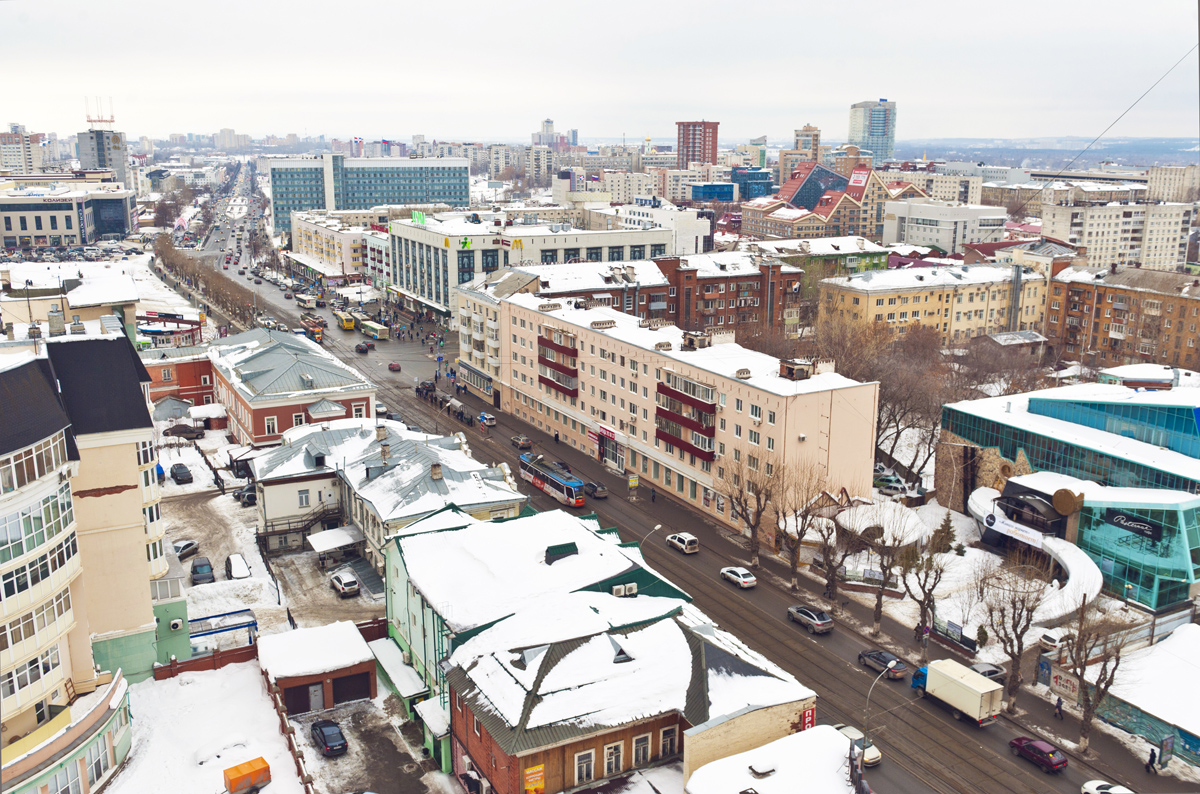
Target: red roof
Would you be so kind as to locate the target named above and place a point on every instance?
(988, 249)
(829, 202)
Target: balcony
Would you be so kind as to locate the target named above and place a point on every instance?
(493, 325)
(702, 454)
(21, 602)
(572, 372)
(707, 312)
(493, 342)
(558, 387)
(38, 690)
(556, 347)
(45, 637)
(158, 568)
(493, 361)
(685, 421)
(701, 405)
(658, 306)
(1116, 332)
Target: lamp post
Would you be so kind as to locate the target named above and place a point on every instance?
(867, 713)
(657, 527)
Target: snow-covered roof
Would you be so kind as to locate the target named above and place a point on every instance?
(726, 264)
(406, 680)
(582, 276)
(900, 525)
(312, 651)
(924, 278)
(1048, 482)
(814, 760)
(566, 666)
(103, 291)
(267, 365)
(726, 359)
(822, 246)
(1160, 680)
(336, 538)
(1159, 373)
(210, 411)
(1008, 338)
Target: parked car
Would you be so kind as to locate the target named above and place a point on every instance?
(394, 366)
(487, 420)
(240, 492)
(344, 583)
(816, 620)
(287, 295)
(328, 738)
(180, 474)
(202, 571)
(1104, 787)
(236, 567)
(871, 754)
(878, 661)
(522, 442)
(889, 484)
(1054, 639)
(684, 541)
(1040, 752)
(184, 431)
(596, 490)
(739, 576)
(258, 281)
(381, 409)
(185, 548)
(991, 671)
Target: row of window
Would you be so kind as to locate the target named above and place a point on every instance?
(30, 464)
(37, 223)
(25, 530)
(23, 577)
(29, 673)
(27, 626)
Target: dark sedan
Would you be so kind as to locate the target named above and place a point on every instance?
(1044, 754)
(878, 661)
(202, 571)
(328, 738)
(184, 431)
(180, 474)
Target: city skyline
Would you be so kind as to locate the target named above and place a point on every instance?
(249, 78)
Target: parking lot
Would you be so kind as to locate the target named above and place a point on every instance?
(311, 599)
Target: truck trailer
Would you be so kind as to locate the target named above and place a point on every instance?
(964, 692)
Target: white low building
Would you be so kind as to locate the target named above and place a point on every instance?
(944, 224)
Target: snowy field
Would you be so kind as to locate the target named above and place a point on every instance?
(187, 730)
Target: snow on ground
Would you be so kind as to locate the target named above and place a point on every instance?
(187, 730)
(172, 450)
(155, 296)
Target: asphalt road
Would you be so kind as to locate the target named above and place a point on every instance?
(924, 749)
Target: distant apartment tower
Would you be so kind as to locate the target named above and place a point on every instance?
(696, 142)
(808, 141)
(104, 150)
(21, 152)
(873, 127)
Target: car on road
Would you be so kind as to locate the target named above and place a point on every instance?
(487, 420)
(684, 541)
(381, 409)
(815, 619)
(394, 366)
(328, 738)
(1040, 752)
(258, 281)
(287, 295)
(878, 660)
(180, 474)
(993, 672)
(344, 583)
(1104, 787)
(362, 347)
(241, 271)
(871, 755)
(596, 490)
(184, 431)
(202, 571)
(739, 576)
(522, 442)
(236, 567)
(185, 548)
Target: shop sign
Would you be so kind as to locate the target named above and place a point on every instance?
(535, 779)
(1000, 523)
(809, 719)
(633, 481)
(1135, 524)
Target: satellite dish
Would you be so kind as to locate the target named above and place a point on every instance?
(1066, 502)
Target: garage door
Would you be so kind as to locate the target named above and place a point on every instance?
(352, 687)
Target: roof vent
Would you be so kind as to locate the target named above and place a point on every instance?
(306, 381)
(380, 432)
(619, 654)
(435, 471)
(385, 451)
(742, 373)
(662, 345)
(600, 325)
(549, 307)
(560, 551)
(761, 770)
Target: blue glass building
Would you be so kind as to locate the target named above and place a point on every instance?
(337, 182)
(751, 182)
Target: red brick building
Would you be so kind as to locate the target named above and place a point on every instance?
(696, 142)
(188, 377)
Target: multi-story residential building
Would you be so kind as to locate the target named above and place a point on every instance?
(625, 186)
(1124, 315)
(502, 158)
(672, 184)
(52, 741)
(21, 152)
(434, 253)
(658, 161)
(1030, 196)
(691, 228)
(325, 250)
(873, 127)
(104, 150)
(846, 158)
(1174, 183)
(807, 142)
(376, 249)
(696, 142)
(61, 215)
(946, 225)
(958, 302)
(1154, 236)
(963, 188)
(539, 163)
(721, 410)
(336, 182)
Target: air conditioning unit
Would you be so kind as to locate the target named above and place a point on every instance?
(631, 589)
(757, 422)
(406, 657)
(619, 590)
(467, 765)
(176, 624)
(720, 407)
(718, 456)
(485, 788)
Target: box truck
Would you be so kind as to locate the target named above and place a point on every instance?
(966, 693)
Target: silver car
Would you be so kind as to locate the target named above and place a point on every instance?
(817, 621)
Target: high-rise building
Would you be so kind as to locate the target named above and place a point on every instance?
(21, 152)
(808, 141)
(572, 137)
(104, 150)
(696, 142)
(873, 127)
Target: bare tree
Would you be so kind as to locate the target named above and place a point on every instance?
(1012, 596)
(751, 487)
(834, 548)
(1098, 641)
(887, 540)
(795, 508)
(921, 574)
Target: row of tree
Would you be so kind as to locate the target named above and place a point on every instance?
(214, 287)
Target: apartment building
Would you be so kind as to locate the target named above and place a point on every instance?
(722, 413)
(377, 269)
(1174, 183)
(624, 186)
(325, 250)
(696, 142)
(873, 127)
(691, 229)
(959, 302)
(104, 150)
(1030, 196)
(1154, 236)
(21, 152)
(944, 187)
(1124, 315)
(946, 225)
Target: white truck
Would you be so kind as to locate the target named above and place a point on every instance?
(966, 693)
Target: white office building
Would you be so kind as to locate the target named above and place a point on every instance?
(947, 225)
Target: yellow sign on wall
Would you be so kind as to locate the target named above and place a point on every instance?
(517, 244)
(535, 779)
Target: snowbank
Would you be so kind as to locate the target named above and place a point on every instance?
(901, 525)
(812, 760)
(1161, 680)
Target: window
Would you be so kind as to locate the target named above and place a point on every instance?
(65, 781)
(358, 412)
(667, 742)
(270, 426)
(737, 405)
(303, 497)
(297, 420)
(770, 417)
(166, 374)
(755, 411)
(476, 721)
(585, 767)
(97, 760)
(612, 759)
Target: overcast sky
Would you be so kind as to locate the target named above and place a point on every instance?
(468, 70)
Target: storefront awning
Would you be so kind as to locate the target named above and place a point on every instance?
(331, 539)
(464, 365)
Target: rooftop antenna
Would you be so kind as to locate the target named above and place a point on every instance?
(99, 118)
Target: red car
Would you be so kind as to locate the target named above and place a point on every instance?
(394, 366)
(1044, 754)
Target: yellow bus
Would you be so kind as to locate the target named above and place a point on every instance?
(373, 330)
(343, 320)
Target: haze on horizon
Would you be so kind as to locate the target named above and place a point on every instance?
(493, 71)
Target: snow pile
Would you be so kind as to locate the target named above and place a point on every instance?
(187, 730)
(900, 525)
(210, 411)
(172, 450)
(1161, 679)
(312, 651)
(1084, 580)
(812, 760)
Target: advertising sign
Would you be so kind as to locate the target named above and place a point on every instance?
(809, 719)
(1000, 523)
(1135, 524)
(633, 481)
(535, 779)
(1166, 749)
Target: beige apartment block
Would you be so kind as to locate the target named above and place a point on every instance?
(1174, 183)
(960, 302)
(1153, 236)
(692, 414)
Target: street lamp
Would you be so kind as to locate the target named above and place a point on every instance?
(657, 527)
(867, 713)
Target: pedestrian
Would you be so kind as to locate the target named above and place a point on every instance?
(555, 436)
(1150, 764)
(1058, 709)
(652, 494)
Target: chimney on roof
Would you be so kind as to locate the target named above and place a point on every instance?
(385, 451)
(380, 432)
(435, 471)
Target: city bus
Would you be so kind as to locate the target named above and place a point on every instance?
(566, 488)
(373, 330)
(306, 301)
(343, 320)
